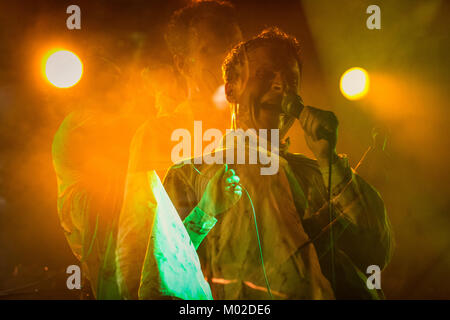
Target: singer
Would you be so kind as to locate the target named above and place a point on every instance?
(291, 206)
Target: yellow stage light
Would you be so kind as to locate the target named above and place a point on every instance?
(354, 83)
(63, 68)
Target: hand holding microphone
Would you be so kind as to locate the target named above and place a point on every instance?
(320, 127)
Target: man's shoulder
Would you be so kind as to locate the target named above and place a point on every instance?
(184, 170)
(298, 160)
(78, 121)
(69, 130)
(190, 173)
(193, 165)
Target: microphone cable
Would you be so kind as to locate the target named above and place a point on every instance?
(257, 233)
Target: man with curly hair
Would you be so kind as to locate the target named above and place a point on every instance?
(301, 250)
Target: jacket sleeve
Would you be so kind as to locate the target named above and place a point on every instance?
(181, 191)
(86, 203)
(362, 229)
(72, 197)
(74, 206)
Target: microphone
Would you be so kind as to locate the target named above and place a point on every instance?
(293, 105)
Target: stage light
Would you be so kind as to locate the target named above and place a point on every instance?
(354, 83)
(63, 68)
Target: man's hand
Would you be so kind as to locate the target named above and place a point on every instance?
(221, 192)
(314, 122)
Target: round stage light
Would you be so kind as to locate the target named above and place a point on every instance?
(63, 68)
(354, 83)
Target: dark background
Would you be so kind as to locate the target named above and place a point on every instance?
(407, 61)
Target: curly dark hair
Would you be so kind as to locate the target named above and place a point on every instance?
(182, 20)
(231, 67)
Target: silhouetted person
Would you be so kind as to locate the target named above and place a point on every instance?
(90, 156)
(199, 36)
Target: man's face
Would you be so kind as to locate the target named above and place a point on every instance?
(209, 44)
(272, 74)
